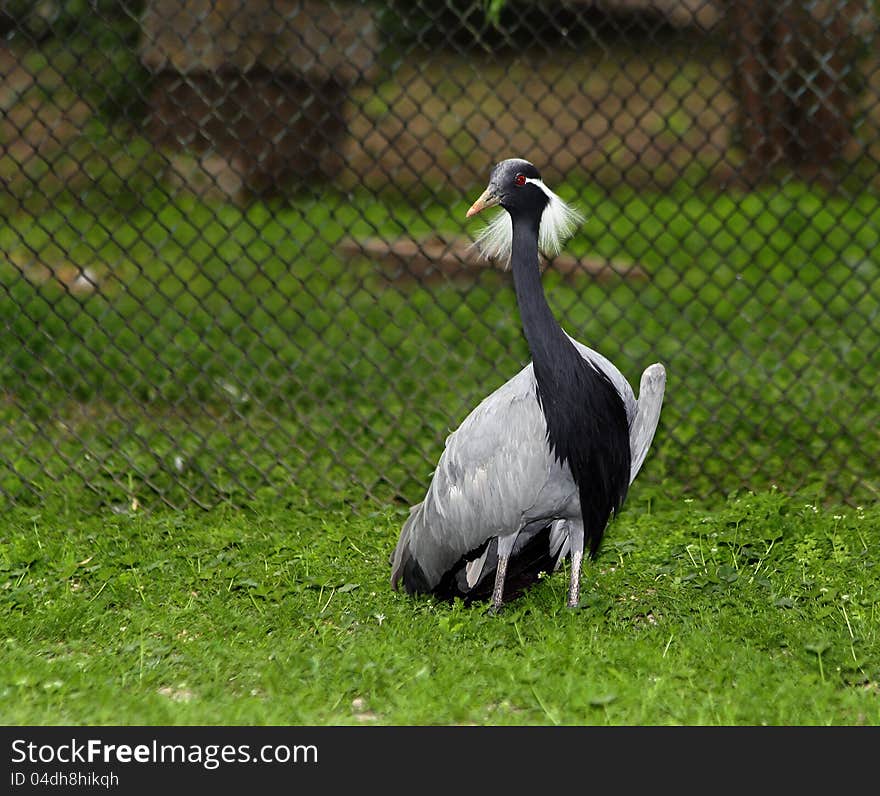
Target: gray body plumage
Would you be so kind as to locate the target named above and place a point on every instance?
(497, 475)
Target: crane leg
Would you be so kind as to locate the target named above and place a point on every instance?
(576, 539)
(505, 548)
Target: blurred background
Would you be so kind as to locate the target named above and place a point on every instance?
(234, 262)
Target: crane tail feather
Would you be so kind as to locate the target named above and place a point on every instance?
(651, 390)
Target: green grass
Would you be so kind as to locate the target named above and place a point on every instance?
(230, 350)
(762, 609)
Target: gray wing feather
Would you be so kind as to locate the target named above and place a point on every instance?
(492, 473)
(641, 431)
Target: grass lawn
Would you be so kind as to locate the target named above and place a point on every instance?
(763, 609)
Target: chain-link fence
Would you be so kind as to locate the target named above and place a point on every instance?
(234, 261)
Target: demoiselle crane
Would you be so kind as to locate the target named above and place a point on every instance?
(536, 470)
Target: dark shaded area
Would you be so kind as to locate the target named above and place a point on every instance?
(523, 570)
(464, 25)
(794, 75)
(272, 129)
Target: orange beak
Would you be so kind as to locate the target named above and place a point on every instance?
(487, 199)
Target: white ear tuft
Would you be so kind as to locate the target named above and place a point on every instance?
(558, 223)
(495, 240)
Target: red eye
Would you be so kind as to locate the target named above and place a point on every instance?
(520, 179)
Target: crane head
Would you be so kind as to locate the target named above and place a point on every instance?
(516, 186)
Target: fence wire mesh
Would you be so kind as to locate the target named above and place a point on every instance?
(235, 263)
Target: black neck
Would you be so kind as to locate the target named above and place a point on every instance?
(544, 335)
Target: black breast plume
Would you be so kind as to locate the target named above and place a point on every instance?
(587, 429)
